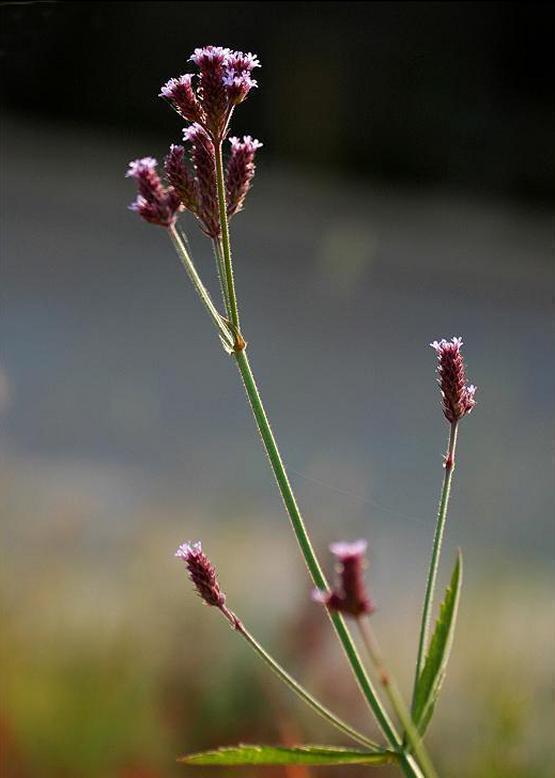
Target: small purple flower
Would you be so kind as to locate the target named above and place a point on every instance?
(238, 78)
(350, 596)
(240, 172)
(180, 94)
(202, 573)
(204, 56)
(155, 203)
(457, 396)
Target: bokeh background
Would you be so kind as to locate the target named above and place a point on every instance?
(404, 193)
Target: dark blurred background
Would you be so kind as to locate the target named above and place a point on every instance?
(404, 193)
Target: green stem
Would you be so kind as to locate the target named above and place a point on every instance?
(407, 762)
(226, 245)
(199, 287)
(221, 275)
(395, 697)
(449, 465)
(296, 687)
(312, 562)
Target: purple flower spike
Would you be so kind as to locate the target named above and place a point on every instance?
(181, 96)
(204, 162)
(457, 397)
(213, 92)
(202, 573)
(181, 178)
(154, 203)
(350, 596)
(240, 172)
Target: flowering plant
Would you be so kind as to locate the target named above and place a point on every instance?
(196, 180)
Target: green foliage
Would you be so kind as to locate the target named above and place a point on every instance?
(435, 666)
(242, 755)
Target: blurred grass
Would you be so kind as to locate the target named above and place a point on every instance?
(111, 667)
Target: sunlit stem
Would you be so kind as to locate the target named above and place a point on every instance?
(449, 467)
(187, 262)
(395, 697)
(225, 242)
(221, 275)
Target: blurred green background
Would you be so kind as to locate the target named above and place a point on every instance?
(404, 193)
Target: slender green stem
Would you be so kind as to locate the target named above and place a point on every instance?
(296, 687)
(221, 275)
(311, 560)
(394, 695)
(199, 287)
(407, 762)
(449, 465)
(226, 245)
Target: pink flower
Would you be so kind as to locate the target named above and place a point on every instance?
(350, 596)
(457, 397)
(202, 573)
(155, 203)
(240, 172)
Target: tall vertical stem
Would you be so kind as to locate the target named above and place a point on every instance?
(407, 761)
(449, 465)
(276, 462)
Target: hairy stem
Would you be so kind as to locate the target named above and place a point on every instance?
(449, 465)
(226, 245)
(220, 266)
(395, 697)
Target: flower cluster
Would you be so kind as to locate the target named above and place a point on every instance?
(156, 203)
(207, 101)
(457, 397)
(350, 596)
(224, 81)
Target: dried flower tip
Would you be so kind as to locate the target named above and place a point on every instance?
(457, 397)
(202, 573)
(204, 163)
(181, 96)
(350, 596)
(154, 203)
(240, 172)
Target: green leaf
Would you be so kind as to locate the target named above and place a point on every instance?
(435, 665)
(274, 755)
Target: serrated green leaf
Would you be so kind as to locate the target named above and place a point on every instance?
(243, 754)
(435, 665)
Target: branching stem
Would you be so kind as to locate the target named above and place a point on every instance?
(296, 687)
